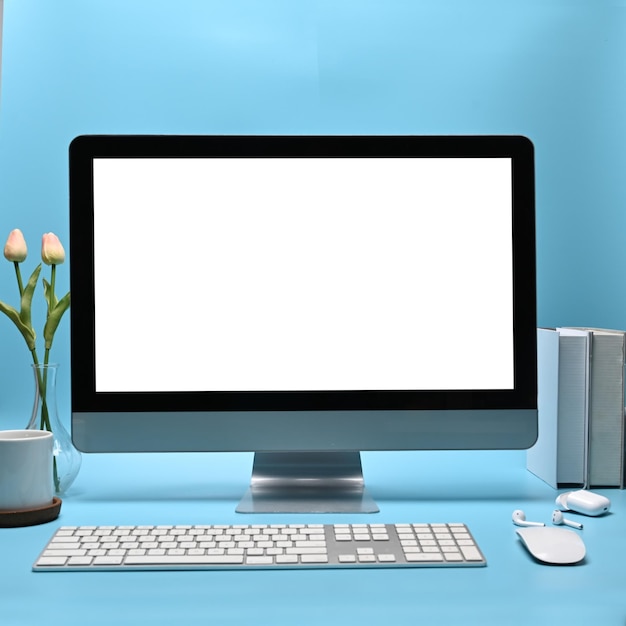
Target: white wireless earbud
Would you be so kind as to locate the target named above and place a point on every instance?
(519, 519)
(557, 518)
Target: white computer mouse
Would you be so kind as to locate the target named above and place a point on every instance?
(553, 545)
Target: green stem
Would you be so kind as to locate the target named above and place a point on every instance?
(42, 382)
(53, 278)
(18, 274)
(45, 414)
(44, 423)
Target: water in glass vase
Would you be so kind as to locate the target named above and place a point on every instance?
(45, 416)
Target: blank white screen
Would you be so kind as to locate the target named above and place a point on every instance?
(303, 274)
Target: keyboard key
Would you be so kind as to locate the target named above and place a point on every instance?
(367, 558)
(259, 560)
(109, 560)
(314, 558)
(207, 559)
(347, 558)
(287, 559)
(471, 553)
(47, 561)
(79, 560)
(423, 557)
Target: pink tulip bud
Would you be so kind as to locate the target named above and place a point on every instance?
(52, 252)
(15, 249)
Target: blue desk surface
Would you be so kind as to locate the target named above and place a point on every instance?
(478, 488)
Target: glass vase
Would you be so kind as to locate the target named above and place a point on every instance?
(66, 458)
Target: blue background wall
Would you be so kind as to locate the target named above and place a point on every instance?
(553, 70)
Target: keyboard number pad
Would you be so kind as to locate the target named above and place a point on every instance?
(437, 543)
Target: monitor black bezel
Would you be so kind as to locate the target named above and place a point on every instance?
(86, 148)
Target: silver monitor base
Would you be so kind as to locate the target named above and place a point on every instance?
(307, 482)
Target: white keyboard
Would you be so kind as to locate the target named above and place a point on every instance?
(271, 546)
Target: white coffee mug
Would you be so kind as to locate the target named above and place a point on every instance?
(25, 469)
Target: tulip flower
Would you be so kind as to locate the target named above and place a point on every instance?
(52, 252)
(15, 249)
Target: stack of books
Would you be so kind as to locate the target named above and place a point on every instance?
(580, 379)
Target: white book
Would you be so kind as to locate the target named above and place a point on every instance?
(606, 408)
(559, 457)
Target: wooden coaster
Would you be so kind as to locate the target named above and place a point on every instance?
(31, 517)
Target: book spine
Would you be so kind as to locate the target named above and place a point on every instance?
(606, 418)
(573, 410)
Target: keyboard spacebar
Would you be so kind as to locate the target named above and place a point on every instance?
(187, 559)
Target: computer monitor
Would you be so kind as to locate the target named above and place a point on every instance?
(304, 298)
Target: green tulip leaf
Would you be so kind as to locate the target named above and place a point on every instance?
(54, 318)
(27, 297)
(48, 293)
(27, 331)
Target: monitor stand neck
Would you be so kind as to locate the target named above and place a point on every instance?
(307, 482)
